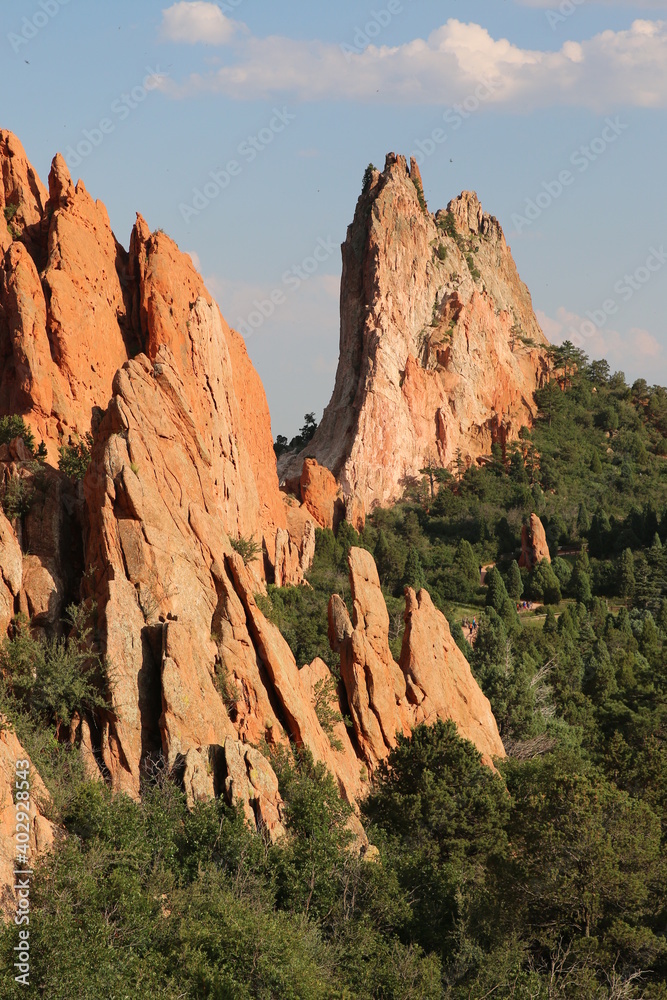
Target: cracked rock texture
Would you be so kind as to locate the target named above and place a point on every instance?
(440, 350)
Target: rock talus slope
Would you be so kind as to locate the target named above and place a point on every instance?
(440, 351)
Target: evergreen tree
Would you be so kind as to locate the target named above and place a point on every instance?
(583, 521)
(599, 535)
(626, 574)
(544, 585)
(465, 561)
(414, 571)
(496, 593)
(514, 584)
(580, 584)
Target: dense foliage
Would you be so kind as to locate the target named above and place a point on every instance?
(546, 878)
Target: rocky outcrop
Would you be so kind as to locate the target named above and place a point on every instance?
(439, 680)
(11, 569)
(42, 832)
(193, 661)
(534, 546)
(375, 685)
(433, 680)
(130, 348)
(75, 307)
(41, 547)
(23, 197)
(440, 351)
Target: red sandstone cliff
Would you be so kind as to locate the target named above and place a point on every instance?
(440, 350)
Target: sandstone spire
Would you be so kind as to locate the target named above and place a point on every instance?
(440, 351)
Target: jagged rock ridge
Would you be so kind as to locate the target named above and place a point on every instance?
(131, 347)
(440, 351)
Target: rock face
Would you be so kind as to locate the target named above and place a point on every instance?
(75, 307)
(439, 681)
(42, 831)
(130, 348)
(320, 494)
(440, 351)
(433, 680)
(534, 547)
(193, 660)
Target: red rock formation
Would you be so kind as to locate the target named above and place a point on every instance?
(23, 197)
(440, 350)
(74, 307)
(534, 547)
(130, 346)
(193, 660)
(433, 680)
(320, 494)
(439, 681)
(42, 831)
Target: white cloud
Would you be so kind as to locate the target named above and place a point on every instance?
(196, 22)
(610, 70)
(637, 351)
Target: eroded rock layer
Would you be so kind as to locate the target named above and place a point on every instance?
(440, 351)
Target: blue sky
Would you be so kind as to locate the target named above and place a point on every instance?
(560, 128)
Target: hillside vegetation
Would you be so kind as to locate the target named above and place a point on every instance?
(544, 879)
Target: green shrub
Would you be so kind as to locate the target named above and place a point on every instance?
(327, 716)
(17, 497)
(75, 458)
(420, 195)
(247, 548)
(368, 177)
(14, 426)
(52, 679)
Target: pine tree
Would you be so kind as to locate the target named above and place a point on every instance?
(496, 593)
(580, 584)
(514, 581)
(414, 571)
(626, 574)
(465, 561)
(583, 521)
(599, 534)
